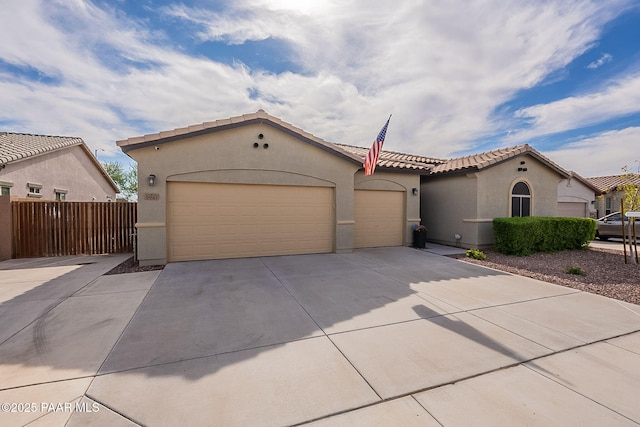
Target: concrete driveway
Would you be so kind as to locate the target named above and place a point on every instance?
(388, 336)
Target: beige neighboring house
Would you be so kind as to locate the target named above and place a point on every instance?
(254, 185)
(40, 167)
(461, 197)
(577, 197)
(611, 196)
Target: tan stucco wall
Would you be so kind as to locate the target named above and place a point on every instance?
(69, 169)
(445, 204)
(229, 156)
(574, 191)
(6, 230)
(467, 204)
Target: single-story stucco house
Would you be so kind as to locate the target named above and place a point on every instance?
(42, 167)
(611, 196)
(255, 185)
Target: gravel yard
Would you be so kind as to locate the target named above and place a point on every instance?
(605, 272)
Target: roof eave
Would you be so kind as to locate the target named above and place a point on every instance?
(98, 165)
(324, 145)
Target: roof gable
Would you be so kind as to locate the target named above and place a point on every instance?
(20, 146)
(477, 162)
(388, 160)
(246, 119)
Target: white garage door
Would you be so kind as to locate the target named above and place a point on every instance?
(212, 221)
(379, 218)
(572, 209)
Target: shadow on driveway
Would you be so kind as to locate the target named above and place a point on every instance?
(288, 339)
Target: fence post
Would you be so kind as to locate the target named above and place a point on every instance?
(6, 228)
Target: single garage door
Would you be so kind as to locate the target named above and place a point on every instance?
(212, 221)
(379, 218)
(572, 209)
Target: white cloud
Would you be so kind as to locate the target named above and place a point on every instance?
(619, 98)
(440, 68)
(441, 72)
(600, 155)
(605, 58)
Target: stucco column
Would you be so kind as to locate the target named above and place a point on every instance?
(5, 228)
(344, 216)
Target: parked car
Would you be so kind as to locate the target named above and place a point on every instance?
(611, 226)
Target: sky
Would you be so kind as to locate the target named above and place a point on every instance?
(459, 77)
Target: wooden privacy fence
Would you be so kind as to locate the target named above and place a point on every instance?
(72, 228)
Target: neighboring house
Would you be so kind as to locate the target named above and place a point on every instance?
(577, 197)
(40, 167)
(460, 197)
(611, 196)
(254, 185)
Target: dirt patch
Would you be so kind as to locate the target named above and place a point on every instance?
(605, 272)
(131, 266)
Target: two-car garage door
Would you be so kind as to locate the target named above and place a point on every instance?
(212, 221)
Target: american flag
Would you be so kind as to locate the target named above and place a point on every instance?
(372, 156)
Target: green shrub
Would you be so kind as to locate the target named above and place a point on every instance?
(526, 235)
(476, 254)
(572, 269)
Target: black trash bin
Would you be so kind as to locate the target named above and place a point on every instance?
(419, 237)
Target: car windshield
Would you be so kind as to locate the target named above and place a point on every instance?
(611, 217)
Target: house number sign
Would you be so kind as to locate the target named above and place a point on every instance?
(151, 196)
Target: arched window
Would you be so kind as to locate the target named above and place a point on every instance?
(520, 200)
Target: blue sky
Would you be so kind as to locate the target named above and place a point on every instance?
(459, 77)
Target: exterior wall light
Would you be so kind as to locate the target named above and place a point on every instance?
(152, 180)
(414, 191)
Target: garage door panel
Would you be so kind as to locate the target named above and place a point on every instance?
(572, 209)
(379, 218)
(208, 221)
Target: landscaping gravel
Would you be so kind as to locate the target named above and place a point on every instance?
(131, 266)
(605, 272)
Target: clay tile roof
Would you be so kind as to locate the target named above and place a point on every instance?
(611, 182)
(18, 146)
(395, 160)
(480, 161)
